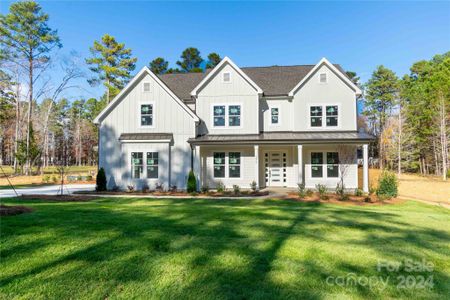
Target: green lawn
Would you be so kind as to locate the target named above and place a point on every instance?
(218, 249)
(53, 170)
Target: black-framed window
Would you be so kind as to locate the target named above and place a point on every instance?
(316, 164)
(332, 164)
(332, 115)
(219, 164)
(234, 164)
(219, 115)
(152, 165)
(316, 116)
(274, 115)
(146, 114)
(137, 164)
(234, 115)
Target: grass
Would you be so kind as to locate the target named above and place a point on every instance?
(120, 248)
(36, 180)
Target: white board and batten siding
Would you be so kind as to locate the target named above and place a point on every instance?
(168, 117)
(239, 92)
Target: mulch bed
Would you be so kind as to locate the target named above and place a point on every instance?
(59, 198)
(180, 193)
(13, 210)
(352, 199)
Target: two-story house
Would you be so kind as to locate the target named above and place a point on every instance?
(278, 126)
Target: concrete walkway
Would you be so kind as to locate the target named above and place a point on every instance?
(48, 190)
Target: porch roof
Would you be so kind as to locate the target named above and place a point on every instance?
(144, 136)
(286, 137)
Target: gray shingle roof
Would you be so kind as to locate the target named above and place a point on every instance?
(285, 137)
(145, 136)
(274, 80)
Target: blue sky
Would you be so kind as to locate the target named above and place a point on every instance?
(357, 35)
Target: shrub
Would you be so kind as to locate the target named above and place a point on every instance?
(173, 188)
(159, 186)
(89, 178)
(54, 179)
(101, 181)
(236, 189)
(358, 192)
(220, 187)
(130, 187)
(301, 190)
(191, 182)
(145, 188)
(205, 189)
(46, 178)
(253, 186)
(387, 185)
(340, 190)
(372, 190)
(79, 178)
(322, 189)
(309, 192)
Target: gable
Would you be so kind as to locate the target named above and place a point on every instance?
(213, 83)
(137, 83)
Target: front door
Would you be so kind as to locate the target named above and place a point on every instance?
(275, 162)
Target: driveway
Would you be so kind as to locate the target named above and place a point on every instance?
(47, 190)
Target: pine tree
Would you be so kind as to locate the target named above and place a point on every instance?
(213, 60)
(190, 60)
(159, 65)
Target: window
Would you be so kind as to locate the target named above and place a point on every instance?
(316, 164)
(234, 115)
(226, 77)
(274, 115)
(332, 115)
(152, 165)
(227, 116)
(146, 114)
(219, 164)
(137, 164)
(323, 77)
(146, 86)
(234, 164)
(219, 115)
(332, 164)
(316, 116)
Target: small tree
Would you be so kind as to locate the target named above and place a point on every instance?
(387, 185)
(101, 181)
(191, 182)
(62, 170)
(347, 155)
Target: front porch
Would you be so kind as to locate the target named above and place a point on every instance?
(280, 165)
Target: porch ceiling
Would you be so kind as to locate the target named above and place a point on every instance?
(304, 137)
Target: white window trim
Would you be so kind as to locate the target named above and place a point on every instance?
(223, 77)
(270, 115)
(227, 126)
(324, 121)
(153, 114)
(227, 165)
(143, 86)
(143, 175)
(326, 77)
(144, 165)
(324, 165)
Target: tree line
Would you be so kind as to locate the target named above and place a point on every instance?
(39, 126)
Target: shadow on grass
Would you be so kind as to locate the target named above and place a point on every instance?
(200, 248)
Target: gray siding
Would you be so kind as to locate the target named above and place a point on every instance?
(169, 117)
(238, 91)
(333, 92)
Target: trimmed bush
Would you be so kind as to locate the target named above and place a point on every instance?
(301, 190)
(358, 192)
(236, 189)
(253, 186)
(205, 189)
(309, 192)
(387, 185)
(191, 182)
(322, 189)
(101, 181)
(220, 187)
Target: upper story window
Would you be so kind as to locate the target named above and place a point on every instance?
(146, 115)
(323, 78)
(226, 76)
(227, 115)
(331, 115)
(146, 87)
(274, 116)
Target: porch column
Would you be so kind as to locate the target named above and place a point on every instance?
(366, 168)
(300, 163)
(197, 166)
(257, 165)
